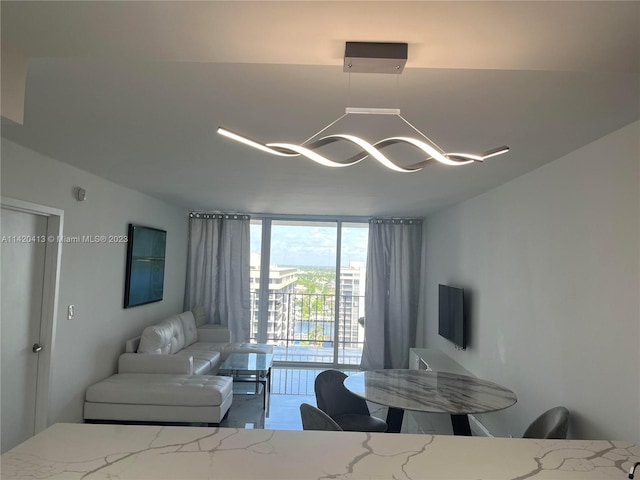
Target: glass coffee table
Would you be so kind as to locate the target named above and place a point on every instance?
(250, 367)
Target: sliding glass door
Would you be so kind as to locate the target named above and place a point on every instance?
(313, 273)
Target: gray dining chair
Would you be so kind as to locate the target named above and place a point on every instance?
(345, 408)
(553, 424)
(315, 419)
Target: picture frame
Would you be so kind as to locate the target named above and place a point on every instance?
(144, 280)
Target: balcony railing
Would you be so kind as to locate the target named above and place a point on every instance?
(302, 327)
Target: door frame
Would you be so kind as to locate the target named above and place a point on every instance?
(50, 291)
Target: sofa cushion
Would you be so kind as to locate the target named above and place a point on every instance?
(155, 339)
(177, 342)
(201, 366)
(165, 337)
(214, 333)
(189, 328)
(203, 360)
(160, 389)
(152, 363)
(200, 314)
(206, 346)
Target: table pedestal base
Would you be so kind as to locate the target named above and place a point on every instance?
(460, 424)
(394, 420)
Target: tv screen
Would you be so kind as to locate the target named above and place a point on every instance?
(144, 281)
(451, 320)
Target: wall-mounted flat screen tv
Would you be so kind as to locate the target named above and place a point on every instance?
(144, 281)
(451, 316)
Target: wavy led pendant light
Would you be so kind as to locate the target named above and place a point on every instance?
(368, 58)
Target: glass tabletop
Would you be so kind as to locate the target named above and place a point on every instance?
(248, 362)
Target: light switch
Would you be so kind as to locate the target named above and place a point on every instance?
(71, 312)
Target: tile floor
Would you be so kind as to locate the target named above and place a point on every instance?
(290, 388)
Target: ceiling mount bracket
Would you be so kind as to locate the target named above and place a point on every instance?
(375, 57)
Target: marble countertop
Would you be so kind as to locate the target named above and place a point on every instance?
(85, 451)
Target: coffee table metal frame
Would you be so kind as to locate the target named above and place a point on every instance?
(250, 368)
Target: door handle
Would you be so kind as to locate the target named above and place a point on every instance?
(36, 348)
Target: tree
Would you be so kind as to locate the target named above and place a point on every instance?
(318, 301)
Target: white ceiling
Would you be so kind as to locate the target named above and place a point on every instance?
(133, 92)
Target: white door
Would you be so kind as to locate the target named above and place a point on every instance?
(22, 282)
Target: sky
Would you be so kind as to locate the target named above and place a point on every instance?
(312, 245)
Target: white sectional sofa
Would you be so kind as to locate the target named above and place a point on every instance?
(175, 345)
(182, 344)
(167, 374)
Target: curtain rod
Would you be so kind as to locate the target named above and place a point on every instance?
(398, 221)
(231, 216)
(308, 218)
(312, 218)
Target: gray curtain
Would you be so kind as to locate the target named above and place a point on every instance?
(392, 292)
(218, 270)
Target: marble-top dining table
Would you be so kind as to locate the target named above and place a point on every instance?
(428, 391)
(73, 451)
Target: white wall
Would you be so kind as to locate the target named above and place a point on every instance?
(551, 261)
(92, 276)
